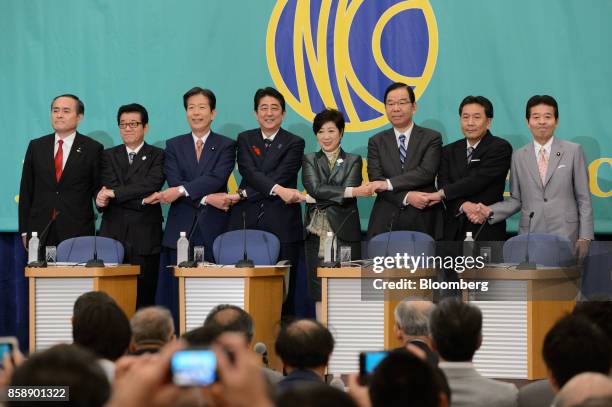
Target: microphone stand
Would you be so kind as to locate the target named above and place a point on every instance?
(391, 229)
(191, 263)
(43, 236)
(245, 262)
(527, 264)
(334, 263)
(95, 262)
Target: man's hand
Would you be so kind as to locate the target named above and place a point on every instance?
(417, 199)
(219, 200)
(378, 186)
(104, 196)
(358, 392)
(9, 366)
(289, 195)
(170, 195)
(152, 199)
(434, 198)
(472, 211)
(364, 190)
(581, 249)
(235, 198)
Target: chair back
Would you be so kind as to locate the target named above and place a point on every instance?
(81, 249)
(544, 249)
(401, 241)
(262, 247)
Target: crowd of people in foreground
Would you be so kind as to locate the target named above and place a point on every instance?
(118, 362)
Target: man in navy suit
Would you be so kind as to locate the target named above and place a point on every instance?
(197, 166)
(269, 159)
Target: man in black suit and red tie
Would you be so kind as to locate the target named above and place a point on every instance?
(269, 159)
(131, 175)
(60, 177)
(402, 166)
(473, 170)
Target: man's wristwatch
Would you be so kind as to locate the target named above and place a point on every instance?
(181, 189)
(242, 194)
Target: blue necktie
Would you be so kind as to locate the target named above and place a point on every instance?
(402, 149)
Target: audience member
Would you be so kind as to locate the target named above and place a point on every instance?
(456, 330)
(65, 365)
(412, 325)
(599, 313)
(152, 328)
(583, 387)
(304, 347)
(103, 329)
(315, 395)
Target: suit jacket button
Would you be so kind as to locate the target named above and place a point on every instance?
(56, 192)
(545, 200)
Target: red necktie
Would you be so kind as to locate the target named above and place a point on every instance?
(59, 157)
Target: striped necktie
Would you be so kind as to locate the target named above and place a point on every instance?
(131, 156)
(470, 151)
(402, 149)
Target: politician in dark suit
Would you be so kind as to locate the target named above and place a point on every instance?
(131, 175)
(473, 170)
(197, 166)
(332, 178)
(402, 166)
(269, 159)
(60, 177)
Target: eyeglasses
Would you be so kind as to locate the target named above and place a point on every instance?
(132, 125)
(400, 103)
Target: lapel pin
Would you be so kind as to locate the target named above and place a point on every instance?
(212, 148)
(558, 154)
(78, 150)
(339, 162)
(279, 146)
(144, 157)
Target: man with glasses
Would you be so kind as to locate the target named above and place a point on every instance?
(60, 178)
(402, 166)
(131, 175)
(269, 159)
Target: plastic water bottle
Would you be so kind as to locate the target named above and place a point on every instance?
(182, 248)
(468, 245)
(33, 248)
(328, 247)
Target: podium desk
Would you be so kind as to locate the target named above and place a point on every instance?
(518, 310)
(258, 290)
(53, 291)
(359, 319)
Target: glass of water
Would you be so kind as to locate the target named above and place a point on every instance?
(50, 254)
(198, 254)
(345, 255)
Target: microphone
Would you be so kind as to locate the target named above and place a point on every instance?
(192, 263)
(95, 262)
(337, 383)
(245, 262)
(527, 265)
(482, 227)
(334, 263)
(391, 229)
(261, 349)
(42, 241)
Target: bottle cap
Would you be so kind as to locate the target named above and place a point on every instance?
(330, 233)
(468, 234)
(183, 234)
(34, 234)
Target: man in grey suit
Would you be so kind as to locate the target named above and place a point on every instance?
(456, 331)
(549, 178)
(402, 166)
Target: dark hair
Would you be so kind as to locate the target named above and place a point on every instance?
(478, 100)
(575, 345)
(304, 344)
(102, 328)
(232, 319)
(541, 100)
(456, 329)
(599, 313)
(65, 365)
(212, 100)
(90, 297)
(402, 379)
(314, 395)
(398, 85)
(328, 115)
(134, 108)
(79, 102)
(261, 93)
(203, 336)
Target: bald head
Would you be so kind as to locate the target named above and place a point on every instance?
(231, 318)
(304, 344)
(582, 387)
(412, 316)
(153, 326)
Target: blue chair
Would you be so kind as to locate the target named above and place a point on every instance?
(80, 250)
(544, 249)
(401, 241)
(596, 279)
(262, 247)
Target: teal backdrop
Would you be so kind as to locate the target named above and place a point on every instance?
(112, 52)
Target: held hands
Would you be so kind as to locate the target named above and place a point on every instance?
(289, 195)
(104, 195)
(419, 200)
(220, 200)
(476, 213)
(170, 195)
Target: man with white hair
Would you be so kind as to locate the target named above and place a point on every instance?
(583, 387)
(152, 328)
(412, 325)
